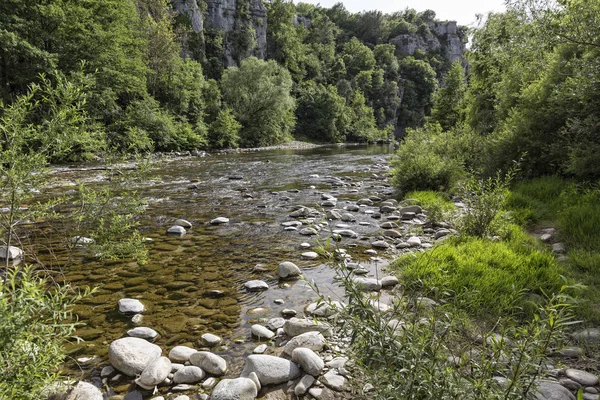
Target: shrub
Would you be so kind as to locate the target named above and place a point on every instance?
(484, 200)
(435, 204)
(35, 323)
(224, 131)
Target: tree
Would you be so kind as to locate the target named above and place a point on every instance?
(322, 113)
(418, 83)
(224, 131)
(258, 93)
(448, 100)
(357, 57)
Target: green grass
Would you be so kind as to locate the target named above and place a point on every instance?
(488, 279)
(575, 211)
(428, 198)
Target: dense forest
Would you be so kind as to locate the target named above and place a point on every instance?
(147, 77)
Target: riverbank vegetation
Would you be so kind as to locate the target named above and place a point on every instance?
(149, 82)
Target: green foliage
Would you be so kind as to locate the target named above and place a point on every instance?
(430, 349)
(258, 93)
(224, 131)
(436, 205)
(419, 85)
(432, 159)
(357, 57)
(448, 100)
(488, 278)
(35, 323)
(484, 201)
(322, 114)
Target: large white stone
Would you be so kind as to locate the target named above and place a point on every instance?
(211, 340)
(256, 285)
(235, 389)
(295, 326)
(262, 332)
(270, 370)
(132, 355)
(288, 269)
(368, 284)
(131, 306)
(11, 253)
(181, 353)
(310, 340)
(189, 374)
(310, 361)
(156, 372)
(209, 362)
(305, 383)
(85, 391)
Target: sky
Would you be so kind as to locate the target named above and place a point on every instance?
(463, 11)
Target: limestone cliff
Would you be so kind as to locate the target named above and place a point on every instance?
(445, 37)
(241, 25)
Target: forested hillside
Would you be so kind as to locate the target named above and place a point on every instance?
(152, 75)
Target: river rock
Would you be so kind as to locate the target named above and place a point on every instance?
(323, 308)
(581, 377)
(262, 332)
(389, 225)
(410, 209)
(589, 336)
(176, 230)
(183, 223)
(131, 306)
(219, 221)
(442, 233)
(291, 224)
(385, 209)
(81, 240)
(11, 253)
(389, 281)
(346, 233)
(553, 391)
(275, 323)
(85, 391)
(353, 207)
(392, 233)
(365, 202)
(270, 370)
(210, 362)
(143, 333)
(260, 349)
(295, 326)
(321, 393)
(309, 232)
(211, 340)
(380, 244)
(154, 373)
(256, 285)
(367, 284)
(310, 361)
(314, 341)
(189, 374)
(305, 383)
(181, 353)
(414, 241)
(310, 255)
(235, 389)
(288, 269)
(132, 355)
(347, 217)
(334, 381)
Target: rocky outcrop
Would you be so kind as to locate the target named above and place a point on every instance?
(442, 36)
(233, 20)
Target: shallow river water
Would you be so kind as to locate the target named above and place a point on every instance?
(256, 191)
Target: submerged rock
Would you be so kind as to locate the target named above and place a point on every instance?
(288, 269)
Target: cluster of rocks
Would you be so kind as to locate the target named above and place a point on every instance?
(180, 226)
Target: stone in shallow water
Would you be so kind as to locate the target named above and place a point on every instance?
(176, 230)
(288, 269)
(262, 332)
(154, 373)
(211, 340)
(131, 306)
(256, 285)
(389, 281)
(260, 349)
(310, 255)
(209, 362)
(181, 353)
(380, 244)
(143, 333)
(11, 253)
(367, 284)
(183, 223)
(189, 374)
(219, 221)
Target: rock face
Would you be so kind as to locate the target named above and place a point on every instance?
(132, 355)
(229, 18)
(237, 389)
(270, 370)
(444, 36)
